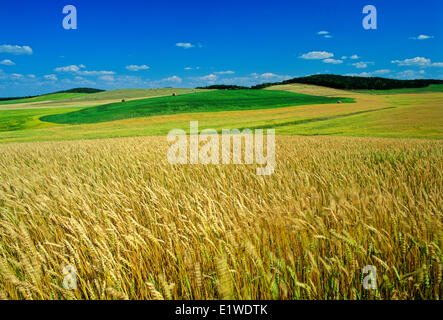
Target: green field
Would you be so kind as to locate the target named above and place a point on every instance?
(191, 103)
(12, 120)
(430, 88)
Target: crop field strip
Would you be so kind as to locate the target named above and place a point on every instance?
(297, 122)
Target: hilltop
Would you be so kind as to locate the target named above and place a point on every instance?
(343, 82)
(199, 102)
(59, 95)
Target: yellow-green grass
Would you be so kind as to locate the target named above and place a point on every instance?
(312, 90)
(411, 115)
(25, 119)
(134, 226)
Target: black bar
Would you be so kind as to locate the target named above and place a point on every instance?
(217, 309)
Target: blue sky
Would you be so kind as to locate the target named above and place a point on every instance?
(145, 44)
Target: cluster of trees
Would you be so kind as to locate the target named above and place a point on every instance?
(81, 90)
(343, 82)
(356, 83)
(16, 98)
(223, 87)
(75, 90)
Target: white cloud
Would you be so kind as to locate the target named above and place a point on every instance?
(381, 71)
(316, 55)
(224, 72)
(16, 76)
(252, 79)
(71, 68)
(176, 79)
(422, 37)
(96, 73)
(362, 64)
(410, 74)
(185, 45)
(369, 74)
(333, 61)
(249, 80)
(107, 78)
(134, 67)
(51, 77)
(26, 79)
(78, 70)
(7, 62)
(170, 81)
(418, 62)
(79, 81)
(17, 50)
(344, 57)
(270, 75)
(325, 34)
(209, 77)
(354, 56)
(188, 68)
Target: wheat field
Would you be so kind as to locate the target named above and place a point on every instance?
(136, 227)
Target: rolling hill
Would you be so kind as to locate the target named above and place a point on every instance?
(191, 103)
(59, 95)
(430, 88)
(355, 83)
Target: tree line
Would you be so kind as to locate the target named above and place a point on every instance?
(341, 82)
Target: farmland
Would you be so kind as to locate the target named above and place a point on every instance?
(213, 101)
(417, 115)
(355, 184)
